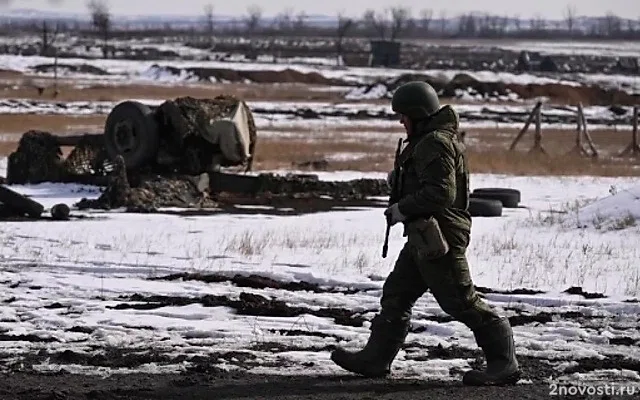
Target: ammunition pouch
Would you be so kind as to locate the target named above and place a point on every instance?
(426, 239)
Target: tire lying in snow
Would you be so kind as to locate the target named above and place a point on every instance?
(499, 190)
(485, 207)
(510, 198)
(20, 203)
(132, 132)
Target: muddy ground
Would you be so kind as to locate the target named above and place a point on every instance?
(244, 386)
(203, 378)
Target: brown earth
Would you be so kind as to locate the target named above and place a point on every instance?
(10, 74)
(264, 76)
(308, 149)
(69, 91)
(290, 84)
(564, 94)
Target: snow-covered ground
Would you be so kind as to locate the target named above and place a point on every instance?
(147, 71)
(72, 283)
(585, 48)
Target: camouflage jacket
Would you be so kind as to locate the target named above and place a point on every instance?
(434, 177)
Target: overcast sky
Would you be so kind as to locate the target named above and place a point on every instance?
(524, 8)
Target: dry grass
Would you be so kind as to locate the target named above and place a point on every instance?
(69, 91)
(17, 124)
(371, 149)
(279, 153)
(524, 163)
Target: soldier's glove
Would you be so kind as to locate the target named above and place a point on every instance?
(394, 215)
(391, 177)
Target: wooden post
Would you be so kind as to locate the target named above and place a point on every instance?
(537, 138)
(578, 149)
(634, 148)
(524, 129)
(55, 73)
(635, 128)
(587, 135)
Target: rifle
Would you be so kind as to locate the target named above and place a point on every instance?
(394, 195)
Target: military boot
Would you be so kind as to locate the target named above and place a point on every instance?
(496, 341)
(374, 360)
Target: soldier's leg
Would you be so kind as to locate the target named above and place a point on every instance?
(450, 282)
(389, 328)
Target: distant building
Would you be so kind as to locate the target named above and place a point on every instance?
(384, 53)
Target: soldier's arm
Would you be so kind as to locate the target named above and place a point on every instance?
(435, 165)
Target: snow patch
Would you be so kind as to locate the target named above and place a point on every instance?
(620, 210)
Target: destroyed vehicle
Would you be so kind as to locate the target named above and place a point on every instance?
(172, 155)
(192, 135)
(182, 136)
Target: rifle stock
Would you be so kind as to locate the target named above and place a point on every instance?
(393, 195)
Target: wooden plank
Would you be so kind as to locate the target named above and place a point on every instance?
(72, 140)
(526, 126)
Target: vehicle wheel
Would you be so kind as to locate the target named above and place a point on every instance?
(485, 207)
(508, 199)
(132, 132)
(500, 190)
(20, 203)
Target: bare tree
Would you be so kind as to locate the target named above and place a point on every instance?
(400, 17)
(344, 25)
(426, 15)
(570, 17)
(613, 25)
(631, 27)
(300, 22)
(468, 25)
(253, 19)
(537, 24)
(375, 22)
(209, 22)
(101, 21)
(517, 22)
(284, 20)
(503, 25)
(443, 22)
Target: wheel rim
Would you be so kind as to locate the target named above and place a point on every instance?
(125, 137)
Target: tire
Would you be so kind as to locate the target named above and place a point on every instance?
(132, 132)
(20, 203)
(508, 199)
(500, 190)
(485, 207)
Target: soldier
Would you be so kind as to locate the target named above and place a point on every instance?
(432, 204)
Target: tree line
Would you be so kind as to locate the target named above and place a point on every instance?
(393, 23)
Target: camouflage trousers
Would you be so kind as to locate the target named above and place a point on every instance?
(447, 278)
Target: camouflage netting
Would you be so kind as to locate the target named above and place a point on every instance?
(185, 118)
(296, 184)
(149, 194)
(89, 157)
(38, 158)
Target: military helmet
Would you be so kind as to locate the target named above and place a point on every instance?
(416, 100)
